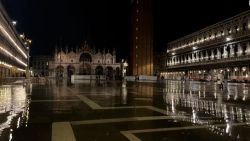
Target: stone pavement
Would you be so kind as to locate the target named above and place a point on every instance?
(125, 111)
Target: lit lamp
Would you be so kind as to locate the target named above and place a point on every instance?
(14, 23)
(22, 36)
(228, 39)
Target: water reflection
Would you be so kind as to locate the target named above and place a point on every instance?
(14, 107)
(124, 92)
(216, 106)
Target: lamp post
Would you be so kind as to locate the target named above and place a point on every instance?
(124, 66)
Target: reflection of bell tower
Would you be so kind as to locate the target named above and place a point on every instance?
(141, 59)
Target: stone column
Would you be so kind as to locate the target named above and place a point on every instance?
(201, 55)
(206, 55)
(240, 50)
(232, 53)
(193, 59)
(225, 53)
(189, 58)
(212, 54)
(218, 53)
(197, 56)
(248, 48)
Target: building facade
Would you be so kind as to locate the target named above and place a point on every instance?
(141, 59)
(220, 51)
(84, 61)
(14, 54)
(40, 65)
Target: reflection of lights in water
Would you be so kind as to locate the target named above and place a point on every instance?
(173, 106)
(13, 102)
(10, 137)
(228, 127)
(194, 116)
(18, 122)
(124, 95)
(213, 108)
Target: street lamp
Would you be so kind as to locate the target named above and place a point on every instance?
(124, 66)
(14, 23)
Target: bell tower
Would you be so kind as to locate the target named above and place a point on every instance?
(141, 59)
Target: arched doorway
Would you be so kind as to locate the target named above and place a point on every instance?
(110, 73)
(85, 69)
(70, 70)
(99, 70)
(59, 71)
(85, 57)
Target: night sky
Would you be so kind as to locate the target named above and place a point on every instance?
(106, 23)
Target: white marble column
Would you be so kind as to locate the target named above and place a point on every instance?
(212, 54)
(201, 55)
(240, 50)
(225, 53)
(248, 48)
(189, 58)
(218, 53)
(206, 55)
(197, 56)
(232, 53)
(193, 59)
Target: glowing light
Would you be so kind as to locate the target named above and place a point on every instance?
(10, 38)
(22, 36)
(244, 68)
(10, 54)
(21, 70)
(194, 48)
(14, 23)
(173, 53)
(228, 39)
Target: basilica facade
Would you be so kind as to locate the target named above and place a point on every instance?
(84, 61)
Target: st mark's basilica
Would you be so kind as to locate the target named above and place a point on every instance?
(84, 61)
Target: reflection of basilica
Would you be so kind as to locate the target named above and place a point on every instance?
(84, 61)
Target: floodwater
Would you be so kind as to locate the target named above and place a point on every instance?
(125, 111)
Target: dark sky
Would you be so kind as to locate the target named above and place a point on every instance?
(178, 18)
(105, 23)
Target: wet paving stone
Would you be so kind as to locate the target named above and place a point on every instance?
(121, 111)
